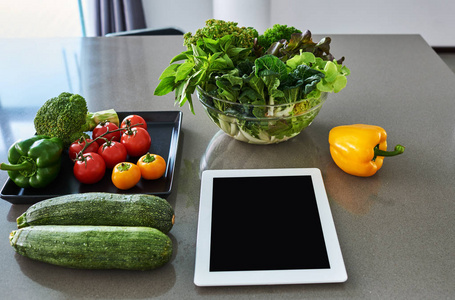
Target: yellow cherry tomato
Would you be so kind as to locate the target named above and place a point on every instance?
(125, 175)
(152, 166)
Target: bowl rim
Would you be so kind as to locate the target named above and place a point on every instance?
(201, 90)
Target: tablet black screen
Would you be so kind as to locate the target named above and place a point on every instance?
(266, 223)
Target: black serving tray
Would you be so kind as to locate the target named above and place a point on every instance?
(164, 128)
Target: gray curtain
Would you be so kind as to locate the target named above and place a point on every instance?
(118, 15)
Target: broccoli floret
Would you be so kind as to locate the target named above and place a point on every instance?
(68, 118)
(275, 34)
(216, 29)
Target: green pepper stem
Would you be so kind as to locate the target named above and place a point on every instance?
(25, 165)
(398, 150)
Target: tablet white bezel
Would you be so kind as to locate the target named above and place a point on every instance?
(202, 275)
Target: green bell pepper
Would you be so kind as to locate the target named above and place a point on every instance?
(34, 162)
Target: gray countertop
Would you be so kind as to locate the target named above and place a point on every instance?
(396, 229)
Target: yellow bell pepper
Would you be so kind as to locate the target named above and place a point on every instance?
(359, 149)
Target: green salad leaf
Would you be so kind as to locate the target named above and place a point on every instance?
(214, 29)
(269, 65)
(278, 32)
(207, 58)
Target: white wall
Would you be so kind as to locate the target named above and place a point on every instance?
(433, 19)
(255, 13)
(188, 15)
(44, 18)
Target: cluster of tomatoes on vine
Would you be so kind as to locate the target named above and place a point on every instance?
(110, 147)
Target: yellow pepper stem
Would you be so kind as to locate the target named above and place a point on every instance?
(398, 150)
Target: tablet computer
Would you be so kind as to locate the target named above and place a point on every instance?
(266, 227)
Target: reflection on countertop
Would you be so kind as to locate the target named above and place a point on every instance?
(225, 152)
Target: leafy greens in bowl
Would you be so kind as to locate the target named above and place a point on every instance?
(255, 79)
(261, 124)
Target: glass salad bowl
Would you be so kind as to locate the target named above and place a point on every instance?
(261, 124)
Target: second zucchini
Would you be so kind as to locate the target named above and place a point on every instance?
(94, 247)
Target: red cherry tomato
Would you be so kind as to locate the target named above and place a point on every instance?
(113, 153)
(89, 168)
(137, 141)
(133, 120)
(78, 145)
(102, 128)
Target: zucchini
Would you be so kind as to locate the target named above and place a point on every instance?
(101, 209)
(94, 247)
